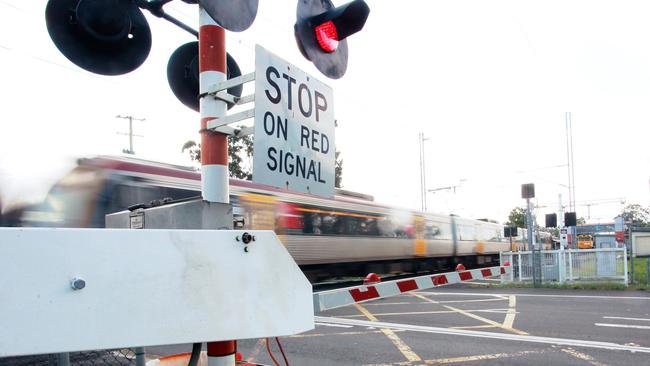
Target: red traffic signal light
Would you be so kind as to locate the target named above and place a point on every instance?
(321, 30)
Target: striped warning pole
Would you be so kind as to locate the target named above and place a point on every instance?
(214, 146)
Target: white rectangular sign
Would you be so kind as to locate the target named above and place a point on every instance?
(294, 128)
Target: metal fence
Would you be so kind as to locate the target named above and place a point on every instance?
(572, 265)
(121, 357)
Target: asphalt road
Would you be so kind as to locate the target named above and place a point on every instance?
(461, 325)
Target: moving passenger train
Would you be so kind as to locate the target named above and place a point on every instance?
(347, 235)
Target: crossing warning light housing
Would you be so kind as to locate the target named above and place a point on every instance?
(321, 30)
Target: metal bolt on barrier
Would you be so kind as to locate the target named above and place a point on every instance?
(77, 283)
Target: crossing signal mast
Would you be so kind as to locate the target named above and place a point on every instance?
(193, 272)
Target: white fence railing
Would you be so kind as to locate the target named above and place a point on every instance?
(570, 265)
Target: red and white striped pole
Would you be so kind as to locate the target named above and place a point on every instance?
(214, 146)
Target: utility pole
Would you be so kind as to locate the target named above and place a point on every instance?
(131, 119)
(569, 152)
(423, 178)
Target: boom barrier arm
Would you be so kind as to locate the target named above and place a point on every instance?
(333, 299)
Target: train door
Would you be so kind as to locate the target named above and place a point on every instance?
(420, 244)
(258, 211)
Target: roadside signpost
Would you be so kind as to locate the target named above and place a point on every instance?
(294, 128)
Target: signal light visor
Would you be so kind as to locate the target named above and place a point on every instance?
(327, 36)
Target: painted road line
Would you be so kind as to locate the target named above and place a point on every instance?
(622, 318)
(445, 361)
(401, 346)
(474, 316)
(466, 301)
(509, 321)
(489, 335)
(476, 327)
(363, 332)
(622, 326)
(333, 325)
(582, 356)
(426, 293)
(498, 311)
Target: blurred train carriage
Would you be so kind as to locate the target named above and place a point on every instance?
(347, 235)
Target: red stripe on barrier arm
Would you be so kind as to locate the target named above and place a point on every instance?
(503, 270)
(439, 280)
(465, 276)
(408, 285)
(486, 272)
(370, 293)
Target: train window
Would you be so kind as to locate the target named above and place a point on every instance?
(435, 229)
(467, 232)
(489, 233)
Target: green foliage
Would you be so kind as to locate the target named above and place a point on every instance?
(517, 217)
(637, 214)
(239, 148)
(338, 170)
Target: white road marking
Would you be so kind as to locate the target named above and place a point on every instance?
(619, 317)
(333, 325)
(490, 335)
(465, 301)
(622, 326)
(426, 293)
(582, 356)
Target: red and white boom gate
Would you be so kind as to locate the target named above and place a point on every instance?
(332, 299)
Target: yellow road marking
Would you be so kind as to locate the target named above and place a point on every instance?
(444, 361)
(256, 351)
(338, 334)
(582, 356)
(426, 312)
(473, 316)
(509, 321)
(401, 346)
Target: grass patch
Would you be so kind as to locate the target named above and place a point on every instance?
(640, 272)
(575, 286)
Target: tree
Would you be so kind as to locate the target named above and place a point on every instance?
(239, 148)
(637, 214)
(517, 217)
(338, 170)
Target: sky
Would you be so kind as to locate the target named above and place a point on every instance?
(489, 84)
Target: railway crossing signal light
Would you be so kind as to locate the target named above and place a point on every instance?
(570, 219)
(551, 220)
(108, 37)
(321, 31)
(509, 231)
(183, 75)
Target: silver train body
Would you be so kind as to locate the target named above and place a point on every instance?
(349, 233)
